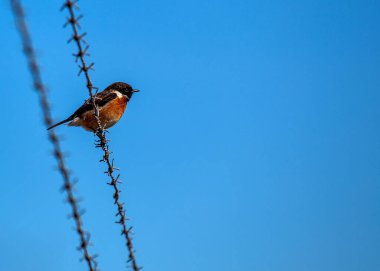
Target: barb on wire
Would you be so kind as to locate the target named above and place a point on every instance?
(68, 185)
(102, 141)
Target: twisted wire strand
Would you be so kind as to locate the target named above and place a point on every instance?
(68, 185)
(102, 141)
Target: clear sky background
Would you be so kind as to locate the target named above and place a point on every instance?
(254, 143)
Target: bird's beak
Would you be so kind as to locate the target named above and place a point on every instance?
(135, 90)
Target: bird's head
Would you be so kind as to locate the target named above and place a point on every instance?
(123, 88)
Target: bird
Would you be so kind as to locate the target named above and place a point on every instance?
(111, 103)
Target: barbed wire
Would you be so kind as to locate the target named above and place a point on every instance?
(102, 141)
(68, 185)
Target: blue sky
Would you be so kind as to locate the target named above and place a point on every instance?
(253, 144)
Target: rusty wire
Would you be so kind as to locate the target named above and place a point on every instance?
(102, 141)
(40, 88)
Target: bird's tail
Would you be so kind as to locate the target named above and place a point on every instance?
(59, 123)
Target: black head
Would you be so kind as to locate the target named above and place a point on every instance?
(123, 88)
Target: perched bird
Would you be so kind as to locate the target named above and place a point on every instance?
(111, 103)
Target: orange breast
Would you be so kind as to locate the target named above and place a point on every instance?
(109, 114)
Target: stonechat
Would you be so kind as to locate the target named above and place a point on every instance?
(111, 103)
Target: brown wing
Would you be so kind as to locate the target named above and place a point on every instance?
(101, 99)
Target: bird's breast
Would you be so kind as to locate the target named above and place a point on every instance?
(109, 114)
(112, 111)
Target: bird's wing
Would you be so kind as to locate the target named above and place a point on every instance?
(101, 99)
